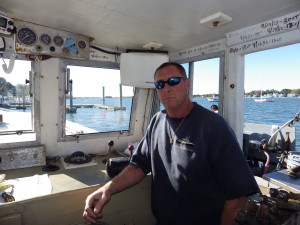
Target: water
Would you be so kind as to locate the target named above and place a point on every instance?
(102, 120)
(272, 113)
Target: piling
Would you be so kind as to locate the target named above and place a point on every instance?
(121, 96)
(103, 95)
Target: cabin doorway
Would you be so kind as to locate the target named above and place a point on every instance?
(275, 75)
(272, 98)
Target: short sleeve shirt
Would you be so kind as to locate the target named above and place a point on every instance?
(198, 172)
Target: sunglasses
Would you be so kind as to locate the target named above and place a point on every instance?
(171, 81)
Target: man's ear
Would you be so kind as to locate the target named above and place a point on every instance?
(187, 84)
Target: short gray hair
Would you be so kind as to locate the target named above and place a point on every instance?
(179, 67)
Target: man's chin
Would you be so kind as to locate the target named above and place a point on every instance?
(170, 104)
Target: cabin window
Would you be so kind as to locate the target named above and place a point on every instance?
(16, 101)
(205, 84)
(206, 74)
(95, 101)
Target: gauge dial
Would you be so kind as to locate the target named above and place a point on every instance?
(81, 44)
(26, 36)
(58, 40)
(46, 39)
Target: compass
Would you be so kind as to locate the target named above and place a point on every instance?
(26, 36)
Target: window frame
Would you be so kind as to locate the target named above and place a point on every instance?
(35, 108)
(62, 100)
(221, 56)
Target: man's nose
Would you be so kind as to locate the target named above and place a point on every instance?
(167, 87)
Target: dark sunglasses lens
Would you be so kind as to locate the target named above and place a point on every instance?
(159, 84)
(173, 81)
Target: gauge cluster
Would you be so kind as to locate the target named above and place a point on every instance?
(41, 40)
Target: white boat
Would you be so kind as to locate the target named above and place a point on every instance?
(97, 43)
(213, 99)
(263, 100)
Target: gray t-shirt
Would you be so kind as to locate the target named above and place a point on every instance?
(198, 172)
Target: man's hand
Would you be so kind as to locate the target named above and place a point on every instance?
(94, 204)
(230, 209)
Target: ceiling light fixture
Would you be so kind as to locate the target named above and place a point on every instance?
(216, 20)
(152, 45)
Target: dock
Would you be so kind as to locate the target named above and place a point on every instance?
(107, 107)
(75, 128)
(99, 106)
(16, 106)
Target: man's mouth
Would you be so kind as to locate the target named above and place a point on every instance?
(168, 99)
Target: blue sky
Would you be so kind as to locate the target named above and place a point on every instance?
(277, 69)
(273, 69)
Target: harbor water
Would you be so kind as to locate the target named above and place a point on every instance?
(102, 120)
(277, 112)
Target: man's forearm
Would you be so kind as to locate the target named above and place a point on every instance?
(130, 176)
(230, 209)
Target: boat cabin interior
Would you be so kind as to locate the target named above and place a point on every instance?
(87, 70)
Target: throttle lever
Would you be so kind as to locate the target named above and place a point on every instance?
(109, 151)
(131, 148)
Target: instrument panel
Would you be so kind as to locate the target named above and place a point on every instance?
(6, 25)
(41, 40)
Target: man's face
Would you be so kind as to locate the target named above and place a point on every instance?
(172, 96)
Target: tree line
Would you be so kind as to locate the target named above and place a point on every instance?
(285, 92)
(272, 91)
(8, 89)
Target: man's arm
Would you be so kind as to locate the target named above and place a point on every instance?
(230, 209)
(94, 203)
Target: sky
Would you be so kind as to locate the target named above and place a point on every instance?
(277, 69)
(271, 69)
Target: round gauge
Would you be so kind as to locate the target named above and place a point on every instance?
(81, 44)
(26, 36)
(58, 40)
(46, 39)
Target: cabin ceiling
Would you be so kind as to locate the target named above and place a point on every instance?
(129, 24)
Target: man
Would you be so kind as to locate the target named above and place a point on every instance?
(198, 171)
(214, 108)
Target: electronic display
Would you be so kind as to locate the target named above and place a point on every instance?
(3, 22)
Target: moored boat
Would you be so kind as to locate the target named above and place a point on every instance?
(263, 100)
